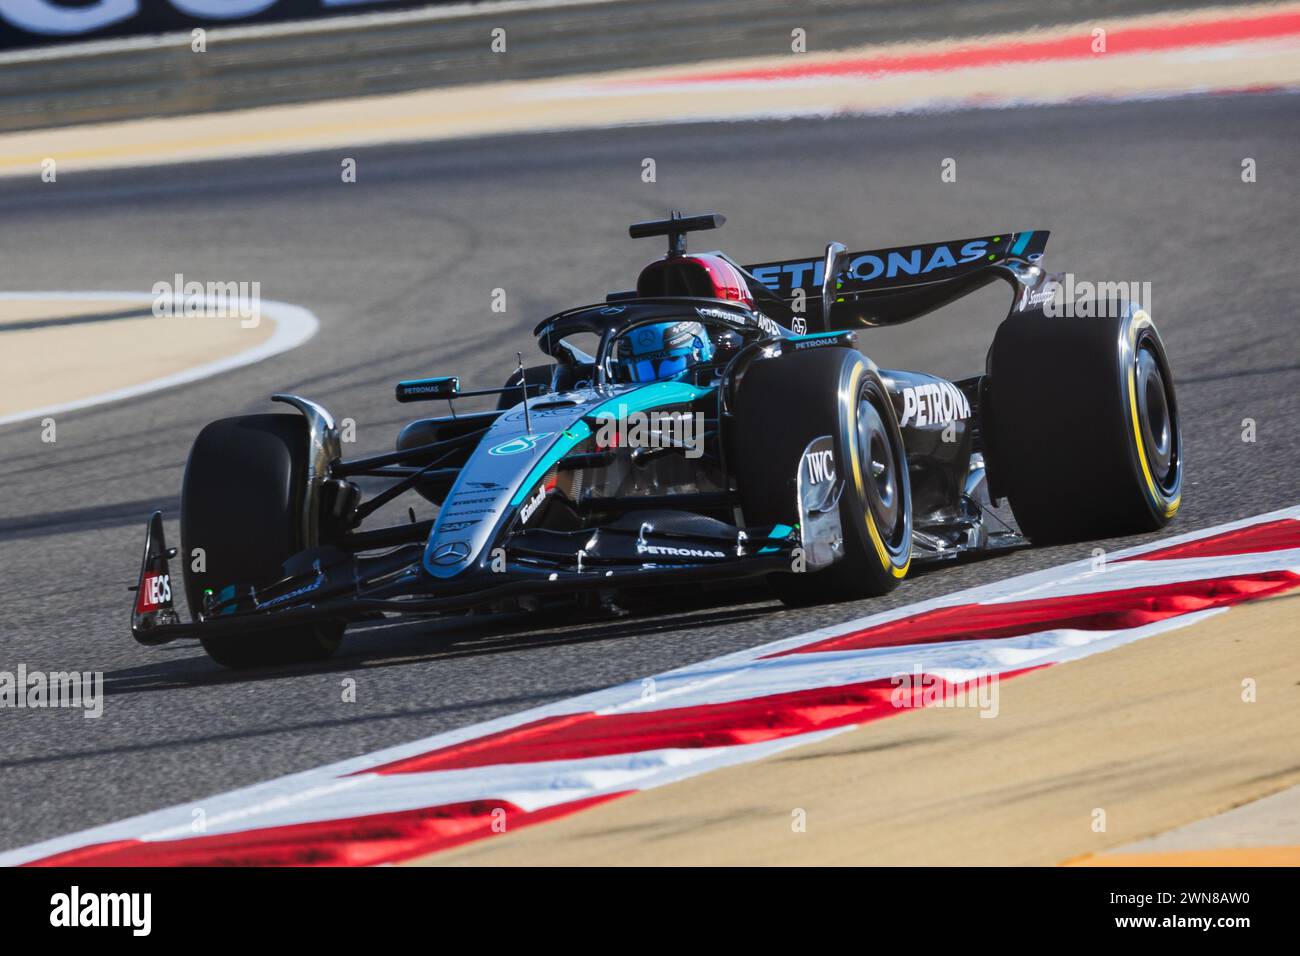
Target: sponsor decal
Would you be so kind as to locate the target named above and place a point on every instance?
(458, 525)
(868, 266)
(733, 318)
(936, 403)
(462, 519)
(722, 315)
(447, 388)
(767, 325)
(822, 341)
(532, 505)
(820, 532)
(295, 593)
(821, 465)
(155, 592)
(1042, 296)
(677, 552)
(520, 444)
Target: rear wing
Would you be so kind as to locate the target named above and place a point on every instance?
(889, 286)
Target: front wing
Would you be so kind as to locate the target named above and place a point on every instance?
(344, 587)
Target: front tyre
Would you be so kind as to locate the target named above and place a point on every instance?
(241, 504)
(784, 404)
(1083, 430)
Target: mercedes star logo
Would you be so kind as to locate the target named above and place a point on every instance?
(453, 552)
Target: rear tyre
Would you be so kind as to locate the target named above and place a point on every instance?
(1083, 432)
(241, 503)
(783, 405)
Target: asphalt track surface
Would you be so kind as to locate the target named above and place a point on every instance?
(400, 267)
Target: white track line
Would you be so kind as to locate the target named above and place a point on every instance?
(294, 325)
(305, 28)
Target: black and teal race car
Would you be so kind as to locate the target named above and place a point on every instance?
(717, 422)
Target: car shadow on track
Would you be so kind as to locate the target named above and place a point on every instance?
(313, 726)
(394, 644)
(400, 644)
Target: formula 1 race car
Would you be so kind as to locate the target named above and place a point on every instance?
(718, 422)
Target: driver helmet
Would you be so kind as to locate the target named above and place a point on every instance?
(663, 351)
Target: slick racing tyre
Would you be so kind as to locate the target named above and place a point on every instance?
(1082, 433)
(784, 404)
(241, 503)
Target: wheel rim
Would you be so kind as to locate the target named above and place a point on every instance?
(1155, 416)
(880, 465)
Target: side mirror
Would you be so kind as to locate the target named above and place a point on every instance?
(728, 342)
(835, 253)
(428, 389)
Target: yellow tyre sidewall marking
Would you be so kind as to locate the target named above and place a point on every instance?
(1141, 320)
(868, 519)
